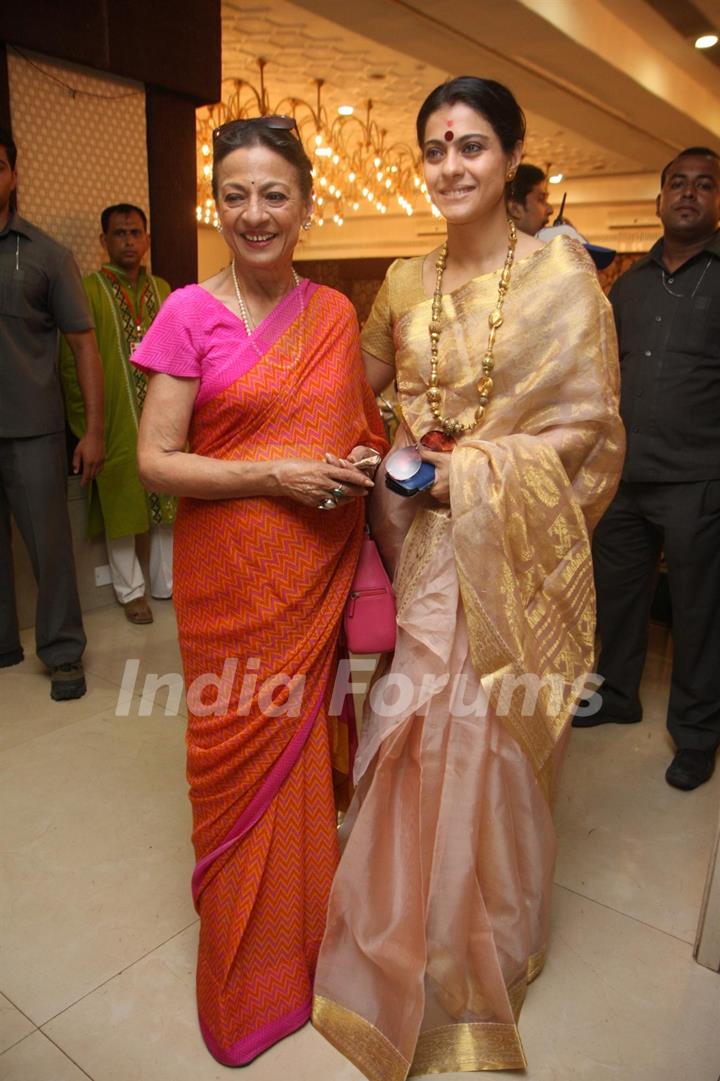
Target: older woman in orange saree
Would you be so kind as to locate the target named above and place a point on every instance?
(504, 355)
(256, 411)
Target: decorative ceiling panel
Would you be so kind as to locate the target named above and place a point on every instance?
(301, 47)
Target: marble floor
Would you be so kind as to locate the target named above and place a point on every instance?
(98, 933)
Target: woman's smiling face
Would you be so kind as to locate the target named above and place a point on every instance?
(260, 206)
(466, 174)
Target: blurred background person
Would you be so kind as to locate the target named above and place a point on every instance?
(667, 312)
(527, 199)
(124, 300)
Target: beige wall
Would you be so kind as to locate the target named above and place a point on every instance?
(76, 154)
(213, 254)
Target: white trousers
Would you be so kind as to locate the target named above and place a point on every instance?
(127, 576)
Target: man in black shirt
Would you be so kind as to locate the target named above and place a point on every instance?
(41, 292)
(667, 312)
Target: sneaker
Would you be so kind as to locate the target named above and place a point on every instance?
(690, 768)
(67, 681)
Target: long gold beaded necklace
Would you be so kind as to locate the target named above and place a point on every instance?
(449, 425)
(244, 313)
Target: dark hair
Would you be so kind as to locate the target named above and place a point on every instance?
(121, 208)
(525, 179)
(699, 151)
(282, 142)
(6, 140)
(492, 100)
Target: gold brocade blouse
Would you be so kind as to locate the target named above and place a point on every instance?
(555, 354)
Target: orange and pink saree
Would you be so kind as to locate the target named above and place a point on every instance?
(439, 913)
(260, 586)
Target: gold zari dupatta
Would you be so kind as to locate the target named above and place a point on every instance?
(530, 483)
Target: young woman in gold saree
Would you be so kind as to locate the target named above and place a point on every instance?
(503, 349)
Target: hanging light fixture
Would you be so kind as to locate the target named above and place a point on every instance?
(353, 164)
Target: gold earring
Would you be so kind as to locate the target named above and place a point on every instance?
(307, 224)
(510, 175)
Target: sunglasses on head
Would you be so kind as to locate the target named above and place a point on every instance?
(278, 122)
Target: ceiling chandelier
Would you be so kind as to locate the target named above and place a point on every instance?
(355, 169)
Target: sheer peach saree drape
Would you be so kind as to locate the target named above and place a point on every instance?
(438, 916)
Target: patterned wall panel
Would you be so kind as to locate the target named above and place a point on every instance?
(79, 149)
(622, 262)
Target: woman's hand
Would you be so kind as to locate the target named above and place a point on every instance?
(311, 482)
(441, 460)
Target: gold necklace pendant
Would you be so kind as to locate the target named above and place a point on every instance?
(450, 425)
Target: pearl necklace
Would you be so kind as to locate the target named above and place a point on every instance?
(495, 320)
(244, 313)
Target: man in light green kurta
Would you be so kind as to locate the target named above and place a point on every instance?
(124, 300)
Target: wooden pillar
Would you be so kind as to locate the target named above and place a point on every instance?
(172, 185)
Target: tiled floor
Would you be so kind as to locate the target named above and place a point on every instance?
(98, 934)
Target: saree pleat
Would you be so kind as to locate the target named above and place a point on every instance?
(439, 913)
(260, 586)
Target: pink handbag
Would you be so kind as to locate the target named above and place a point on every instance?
(370, 624)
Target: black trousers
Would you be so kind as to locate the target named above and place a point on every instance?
(684, 520)
(33, 483)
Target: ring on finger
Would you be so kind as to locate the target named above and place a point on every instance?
(338, 492)
(327, 504)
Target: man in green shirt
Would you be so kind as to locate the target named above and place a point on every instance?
(124, 300)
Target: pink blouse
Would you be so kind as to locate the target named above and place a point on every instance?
(195, 336)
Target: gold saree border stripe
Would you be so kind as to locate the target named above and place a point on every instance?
(467, 1048)
(490, 657)
(359, 1041)
(517, 994)
(460, 1048)
(537, 734)
(518, 990)
(423, 538)
(551, 597)
(536, 964)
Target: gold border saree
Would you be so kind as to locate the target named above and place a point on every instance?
(439, 912)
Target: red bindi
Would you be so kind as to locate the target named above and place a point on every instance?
(449, 136)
